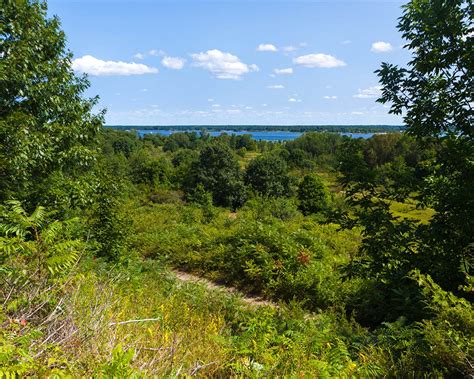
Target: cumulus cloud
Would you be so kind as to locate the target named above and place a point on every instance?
(330, 97)
(97, 67)
(381, 47)
(369, 93)
(222, 65)
(139, 56)
(174, 63)
(276, 86)
(294, 100)
(283, 71)
(266, 47)
(319, 60)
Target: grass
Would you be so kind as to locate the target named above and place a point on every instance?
(139, 321)
(411, 211)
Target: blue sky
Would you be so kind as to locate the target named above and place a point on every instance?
(234, 62)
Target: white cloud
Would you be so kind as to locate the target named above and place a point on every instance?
(215, 105)
(358, 113)
(294, 100)
(289, 49)
(319, 60)
(98, 67)
(276, 86)
(174, 63)
(222, 65)
(233, 111)
(369, 93)
(152, 53)
(156, 53)
(330, 97)
(144, 90)
(381, 47)
(266, 47)
(346, 42)
(210, 100)
(283, 71)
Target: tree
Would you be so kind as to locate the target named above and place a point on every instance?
(149, 169)
(436, 92)
(312, 195)
(219, 173)
(435, 95)
(46, 126)
(268, 176)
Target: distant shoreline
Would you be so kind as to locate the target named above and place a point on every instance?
(262, 128)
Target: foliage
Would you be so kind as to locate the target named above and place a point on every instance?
(148, 168)
(268, 176)
(433, 92)
(312, 195)
(218, 172)
(109, 228)
(93, 295)
(37, 255)
(436, 94)
(45, 124)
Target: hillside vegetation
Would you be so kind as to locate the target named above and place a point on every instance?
(363, 247)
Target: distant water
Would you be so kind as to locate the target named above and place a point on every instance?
(259, 136)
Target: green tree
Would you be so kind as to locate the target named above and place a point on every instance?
(218, 171)
(312, 195)
(46, 124)
(268, 176)
(435, 95)
(149, 169)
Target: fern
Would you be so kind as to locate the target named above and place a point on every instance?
(34, 250)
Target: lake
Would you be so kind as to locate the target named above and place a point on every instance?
(275, 135)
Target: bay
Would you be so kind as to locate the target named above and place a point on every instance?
(274, 135)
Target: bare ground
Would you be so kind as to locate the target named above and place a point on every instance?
(253, 301)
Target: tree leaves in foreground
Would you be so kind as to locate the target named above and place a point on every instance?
(46, 126)
(435, 95)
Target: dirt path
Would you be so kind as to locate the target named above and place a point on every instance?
(247, 299)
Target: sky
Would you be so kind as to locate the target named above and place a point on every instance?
(229, 62)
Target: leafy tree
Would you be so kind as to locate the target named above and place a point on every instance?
(321, 147)
(117, 141)
(219, 173)
(149, 169)
(435, 95)
(436, 92)
(46, 125)
(312, 195)
(268, 176)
